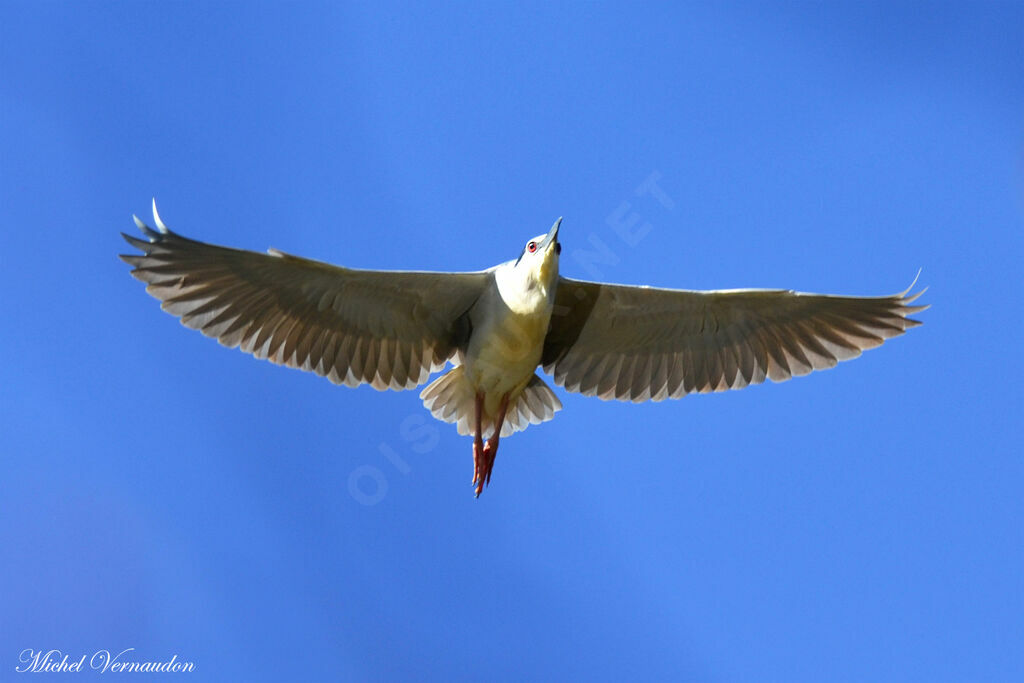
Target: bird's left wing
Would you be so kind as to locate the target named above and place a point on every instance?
(386, 329)
(641, 343)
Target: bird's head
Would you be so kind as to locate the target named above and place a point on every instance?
(540, 256)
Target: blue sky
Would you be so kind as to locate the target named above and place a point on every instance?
(159, 492)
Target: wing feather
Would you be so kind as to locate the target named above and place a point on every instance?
(389, 329)
(640, 343)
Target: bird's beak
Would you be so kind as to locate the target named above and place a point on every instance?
(552, 236)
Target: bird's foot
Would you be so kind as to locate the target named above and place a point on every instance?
(491, 452)
(478, 463)
(484, 453)
(483, 463)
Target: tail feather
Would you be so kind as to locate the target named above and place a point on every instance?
(450, 398)
(537, 403)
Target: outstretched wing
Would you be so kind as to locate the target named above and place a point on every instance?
(386, 329)
(642, 343)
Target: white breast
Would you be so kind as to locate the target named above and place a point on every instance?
(510, 322)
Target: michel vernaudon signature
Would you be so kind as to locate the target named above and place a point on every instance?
(102, 661)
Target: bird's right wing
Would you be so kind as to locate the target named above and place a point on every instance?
(641, 343)
(386, 329)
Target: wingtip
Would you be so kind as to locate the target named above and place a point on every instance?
(914, 282)
(149, 232)
(156, 219)
(906, 299)
(141, 245)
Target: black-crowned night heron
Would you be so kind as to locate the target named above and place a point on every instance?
(392, 329)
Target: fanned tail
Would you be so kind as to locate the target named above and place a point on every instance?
(537, 403)
(450, 398)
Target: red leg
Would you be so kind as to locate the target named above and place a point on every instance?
(491, 447)
(478, 447)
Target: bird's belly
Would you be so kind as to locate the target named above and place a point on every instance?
(502, 356)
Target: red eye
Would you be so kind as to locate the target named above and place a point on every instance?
(531, 247)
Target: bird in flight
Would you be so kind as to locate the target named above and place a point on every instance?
(393, 329)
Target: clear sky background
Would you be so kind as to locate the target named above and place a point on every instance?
(162, 493)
